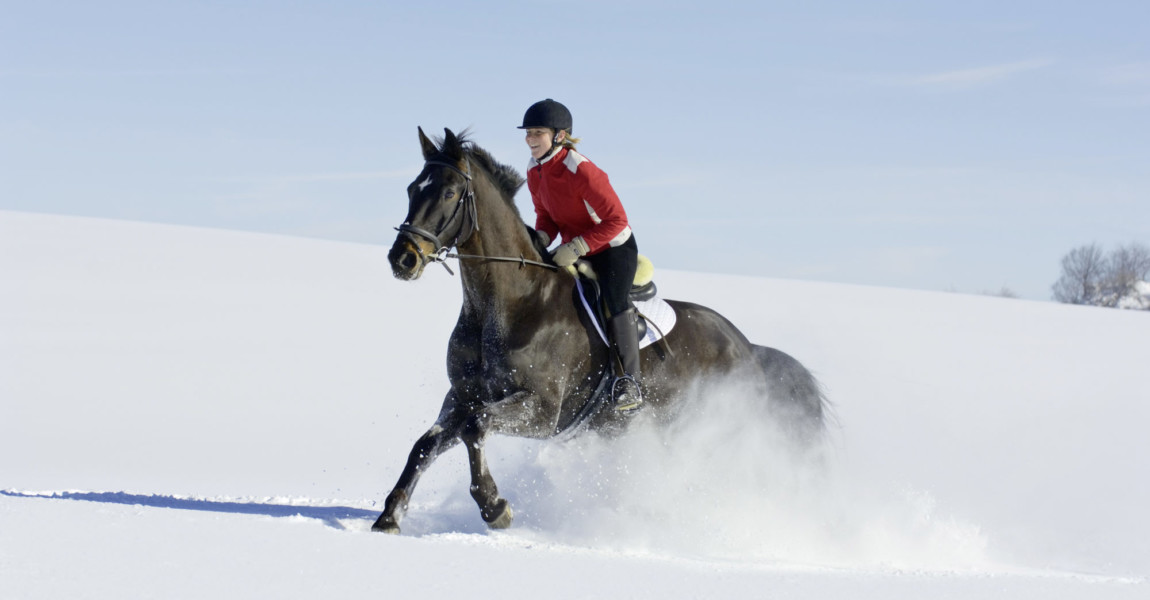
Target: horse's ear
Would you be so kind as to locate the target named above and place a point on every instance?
(451, 145)
(428, 146)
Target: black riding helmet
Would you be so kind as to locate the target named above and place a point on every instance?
(547, 113)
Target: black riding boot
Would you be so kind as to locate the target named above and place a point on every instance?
(624, 332)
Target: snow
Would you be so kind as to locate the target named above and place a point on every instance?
(1138, 298)
(193, 413)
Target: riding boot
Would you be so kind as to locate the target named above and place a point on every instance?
(624, 332)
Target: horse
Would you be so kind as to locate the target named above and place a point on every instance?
(523, 359)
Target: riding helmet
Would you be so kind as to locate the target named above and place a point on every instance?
(547, 113)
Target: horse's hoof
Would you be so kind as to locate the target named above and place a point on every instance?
(383, 525)
(503, 518)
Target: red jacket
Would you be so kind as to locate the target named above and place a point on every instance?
(573, 197)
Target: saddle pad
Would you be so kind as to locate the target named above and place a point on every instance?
(660, 319)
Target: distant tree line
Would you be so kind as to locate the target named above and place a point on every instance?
(1117, 280)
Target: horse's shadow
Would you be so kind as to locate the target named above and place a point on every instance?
(337, 517)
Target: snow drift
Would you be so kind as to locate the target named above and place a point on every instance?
(173, 395)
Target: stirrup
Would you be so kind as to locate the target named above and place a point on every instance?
(631, 397)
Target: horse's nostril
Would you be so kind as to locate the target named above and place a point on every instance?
(407, 261)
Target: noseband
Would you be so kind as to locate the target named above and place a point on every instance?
(465, 213)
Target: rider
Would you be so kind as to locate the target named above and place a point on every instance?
(573, 198)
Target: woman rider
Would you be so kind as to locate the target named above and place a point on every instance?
(574, 199)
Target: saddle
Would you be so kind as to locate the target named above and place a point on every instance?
(643, 290)
(656, 317)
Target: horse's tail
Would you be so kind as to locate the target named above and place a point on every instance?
(794, 396)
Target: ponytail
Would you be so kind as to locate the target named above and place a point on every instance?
(569, 141)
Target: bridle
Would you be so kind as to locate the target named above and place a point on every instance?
(465, 213)
(468, 218)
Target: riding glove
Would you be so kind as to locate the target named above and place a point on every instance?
(568, 253)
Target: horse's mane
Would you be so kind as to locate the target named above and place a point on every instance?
(507, 179)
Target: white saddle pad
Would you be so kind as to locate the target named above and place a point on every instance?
(660, 319)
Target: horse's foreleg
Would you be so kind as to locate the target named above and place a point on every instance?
(442, 436)
(495, 510)
(518, 414)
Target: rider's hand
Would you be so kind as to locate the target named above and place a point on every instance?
(568, 253)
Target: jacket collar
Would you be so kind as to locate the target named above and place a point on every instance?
(556, 155)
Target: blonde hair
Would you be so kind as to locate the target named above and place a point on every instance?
(569, 141)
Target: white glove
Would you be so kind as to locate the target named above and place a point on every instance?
(568, 253)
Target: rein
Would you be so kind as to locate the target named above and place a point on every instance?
(522, 261)
(466, 207)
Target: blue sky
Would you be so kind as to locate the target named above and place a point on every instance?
(938, 146)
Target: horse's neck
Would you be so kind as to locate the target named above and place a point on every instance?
(501, 234)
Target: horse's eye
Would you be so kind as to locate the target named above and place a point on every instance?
(449, 194)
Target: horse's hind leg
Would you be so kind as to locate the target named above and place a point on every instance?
(442, 436)
(795, 396)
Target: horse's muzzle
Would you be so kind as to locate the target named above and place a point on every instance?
(407, 259)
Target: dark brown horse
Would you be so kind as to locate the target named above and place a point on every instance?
(523, 359)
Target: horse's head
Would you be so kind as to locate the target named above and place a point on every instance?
(441, 208)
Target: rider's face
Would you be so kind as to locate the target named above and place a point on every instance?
(539, 140)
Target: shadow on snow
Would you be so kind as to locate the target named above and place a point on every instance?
(332, 516)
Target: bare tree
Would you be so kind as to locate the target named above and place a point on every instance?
(1125, 267)
(1083, 272)
(1003, 292)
